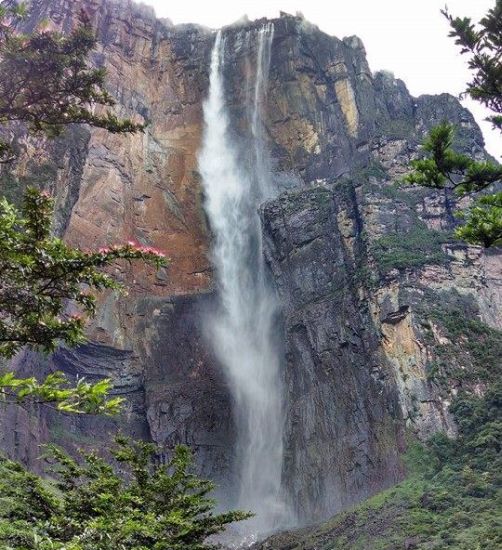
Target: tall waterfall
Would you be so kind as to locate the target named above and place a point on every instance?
(242, 328)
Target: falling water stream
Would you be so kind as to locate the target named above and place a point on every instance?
(242, 327)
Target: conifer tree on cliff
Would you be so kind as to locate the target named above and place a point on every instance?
(443, 167)
(46, 83)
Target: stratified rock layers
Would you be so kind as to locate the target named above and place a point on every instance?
(358, 264)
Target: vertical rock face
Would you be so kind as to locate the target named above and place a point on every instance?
(366, 272)
(344, 423)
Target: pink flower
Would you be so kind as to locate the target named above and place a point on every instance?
(152, 250)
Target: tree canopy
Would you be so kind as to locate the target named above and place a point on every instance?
(90, 506)
(46, 292)
(133, 501)
(48, 82)
(483, 45)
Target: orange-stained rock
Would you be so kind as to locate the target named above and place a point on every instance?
(364, 271)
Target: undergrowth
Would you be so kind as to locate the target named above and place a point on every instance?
(451, 499)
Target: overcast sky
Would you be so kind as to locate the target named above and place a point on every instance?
(407, 37)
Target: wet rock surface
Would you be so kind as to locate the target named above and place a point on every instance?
(358, 264)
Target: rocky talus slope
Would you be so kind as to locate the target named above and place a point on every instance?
(367, 273)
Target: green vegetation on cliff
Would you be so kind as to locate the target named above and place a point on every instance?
(470, 353)
(417, 247)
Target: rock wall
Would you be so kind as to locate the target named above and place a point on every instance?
(364, 270)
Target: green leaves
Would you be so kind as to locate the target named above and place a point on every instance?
(480, 423)
(57, 390)
(46, 291)
(483, 221)
(444, 168)
(46, 286)
(50, 82)
(484, 46)
(151, 505)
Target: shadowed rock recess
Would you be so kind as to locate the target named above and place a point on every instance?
(364, 270)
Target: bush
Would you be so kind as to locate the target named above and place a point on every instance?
(148, 506)
(417, 247)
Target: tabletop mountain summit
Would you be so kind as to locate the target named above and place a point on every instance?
(299, 336)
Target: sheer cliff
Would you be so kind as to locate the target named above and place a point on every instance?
(366, 272)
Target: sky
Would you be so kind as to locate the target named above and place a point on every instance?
(406, 37)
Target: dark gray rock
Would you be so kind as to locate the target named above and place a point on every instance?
(357, 263)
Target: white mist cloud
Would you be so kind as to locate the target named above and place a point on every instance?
(405, 37)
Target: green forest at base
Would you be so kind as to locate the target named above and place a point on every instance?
(451, 499)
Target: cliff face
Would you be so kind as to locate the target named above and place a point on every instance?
(366, 272)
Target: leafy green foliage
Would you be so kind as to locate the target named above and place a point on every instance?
(40, 274)
(443, 167)
(446, 168)
(56, 390)
(149, 506)
(483, 221)
(452, 499)
(25, 499)
(48, 82)
(45, 292)
(46, 286)
(470, 355)
(484, 47)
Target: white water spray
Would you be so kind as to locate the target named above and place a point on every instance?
(242, 328)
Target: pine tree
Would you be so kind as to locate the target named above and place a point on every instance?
(444, 168)
(90, 506)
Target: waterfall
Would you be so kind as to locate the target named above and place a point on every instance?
(242, 328)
